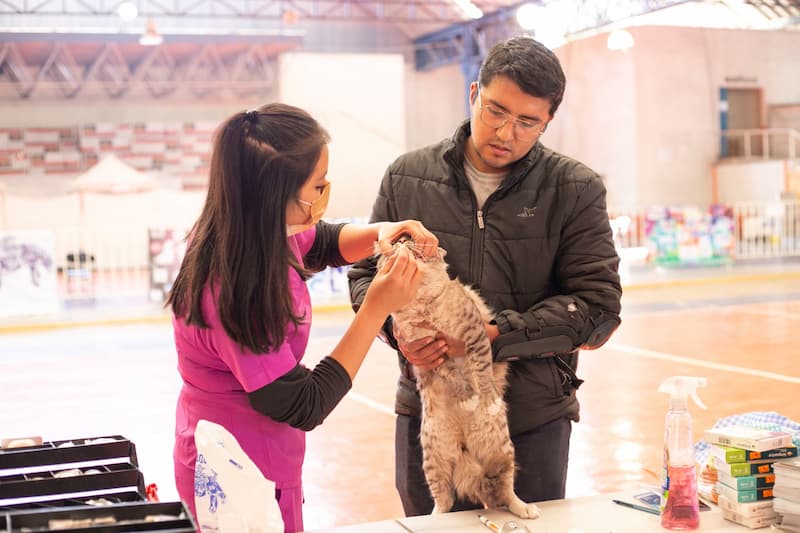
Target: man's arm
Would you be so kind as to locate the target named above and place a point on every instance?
(586, 312)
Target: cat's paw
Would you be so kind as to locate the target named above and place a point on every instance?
(439, 510)
(469, 405)
(525, 510)
(495, 407)
(533, 510)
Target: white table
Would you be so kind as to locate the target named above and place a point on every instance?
(591, 514)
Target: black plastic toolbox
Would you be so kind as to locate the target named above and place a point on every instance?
(95, 467)
(123, 517)
(92, 478)
(70, 451)
(110, 497)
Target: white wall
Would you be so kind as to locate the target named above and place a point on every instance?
(596, 122)
(435, 103)
(648, 119)
(677, 116)
(360, 100)
(756, 181)
(770, 57)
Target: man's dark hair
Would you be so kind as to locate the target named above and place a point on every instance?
(238, 246)
(529, 64)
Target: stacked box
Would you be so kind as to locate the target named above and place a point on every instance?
(745, 482)
(787, 493)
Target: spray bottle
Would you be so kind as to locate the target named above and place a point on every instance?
(679, 507)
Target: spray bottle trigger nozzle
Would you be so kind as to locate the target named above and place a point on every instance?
(697, 400)
(679, 387)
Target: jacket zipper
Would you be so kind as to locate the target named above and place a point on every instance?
(477, 249)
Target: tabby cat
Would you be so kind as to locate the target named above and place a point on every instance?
(466, 448)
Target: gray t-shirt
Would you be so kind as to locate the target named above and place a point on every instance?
(483, 183)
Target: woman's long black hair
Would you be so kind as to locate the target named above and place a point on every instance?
(260, 160)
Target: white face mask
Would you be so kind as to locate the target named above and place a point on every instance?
(315, 213)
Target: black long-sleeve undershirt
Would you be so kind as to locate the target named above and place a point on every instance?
(303, 398)
(325, 250)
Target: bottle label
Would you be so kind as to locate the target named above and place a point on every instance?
(664, 480)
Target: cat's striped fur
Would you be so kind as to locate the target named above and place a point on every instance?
(466, 448)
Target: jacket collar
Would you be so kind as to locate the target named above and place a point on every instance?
(454, 154)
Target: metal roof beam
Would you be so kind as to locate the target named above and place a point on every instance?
(13, 67)
(60, 67)
(207, 71)
(246, 11)
(111, 70)
(580, 18)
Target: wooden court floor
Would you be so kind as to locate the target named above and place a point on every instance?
(739, 332)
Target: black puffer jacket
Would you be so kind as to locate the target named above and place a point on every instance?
(540, 253)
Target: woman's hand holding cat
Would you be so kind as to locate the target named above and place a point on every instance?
(394, 285)
(424, 240)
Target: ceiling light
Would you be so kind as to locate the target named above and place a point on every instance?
(151, 37)
(290, 16)
(551, 39)
(547, 23)
(528, 15)
(620, 40)
(128, 11)
(469, 9)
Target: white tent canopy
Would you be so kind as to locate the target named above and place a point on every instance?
(110, 175)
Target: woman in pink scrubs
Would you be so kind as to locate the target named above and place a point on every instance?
(241, 309)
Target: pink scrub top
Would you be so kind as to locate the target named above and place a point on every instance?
(217, 376)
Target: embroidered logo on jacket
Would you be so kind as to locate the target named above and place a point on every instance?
(527, 212)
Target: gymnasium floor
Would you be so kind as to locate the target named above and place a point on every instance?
(106, 370)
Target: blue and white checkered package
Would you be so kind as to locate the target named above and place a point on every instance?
(769, 420)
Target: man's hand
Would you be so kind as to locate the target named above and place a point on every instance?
(430, 352)
(492, 331)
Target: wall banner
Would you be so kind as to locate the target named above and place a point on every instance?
(28, 280)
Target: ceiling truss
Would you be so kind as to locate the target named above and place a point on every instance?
(469, 42)
(248, 11)
(778, 9)
(207, 71)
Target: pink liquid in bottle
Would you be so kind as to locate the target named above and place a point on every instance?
(681, 510)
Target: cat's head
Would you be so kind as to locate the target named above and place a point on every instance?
(408, 245)
(433, 266)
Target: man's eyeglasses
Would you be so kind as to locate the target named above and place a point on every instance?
(496, 118)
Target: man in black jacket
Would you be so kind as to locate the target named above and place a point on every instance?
(528, 229)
